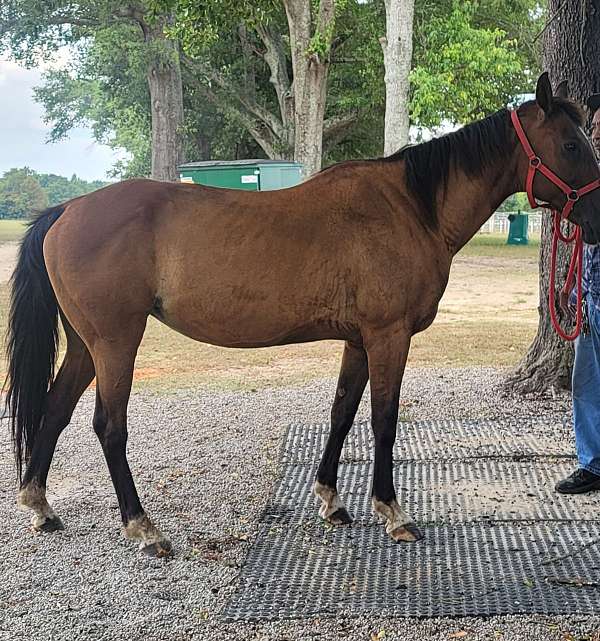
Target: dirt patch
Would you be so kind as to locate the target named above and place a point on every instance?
(8, 260)
(489, 288)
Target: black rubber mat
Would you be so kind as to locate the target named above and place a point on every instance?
(498, 539)
(447, 439)
(466, 570)
(444, 492)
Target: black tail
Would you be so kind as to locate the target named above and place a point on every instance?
(32, 338)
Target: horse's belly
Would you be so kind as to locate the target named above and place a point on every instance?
(248, 326)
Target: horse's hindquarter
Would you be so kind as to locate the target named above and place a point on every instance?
(100, 258)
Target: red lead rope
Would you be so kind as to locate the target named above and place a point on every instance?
(575, 264)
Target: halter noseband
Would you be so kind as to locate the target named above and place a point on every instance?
(536, 164)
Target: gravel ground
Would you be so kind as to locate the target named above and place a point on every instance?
(205, 465)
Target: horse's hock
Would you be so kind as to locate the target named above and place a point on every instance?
(498, 539)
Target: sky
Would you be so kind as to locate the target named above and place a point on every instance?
(23, 133)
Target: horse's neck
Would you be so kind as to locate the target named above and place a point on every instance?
(468, 202)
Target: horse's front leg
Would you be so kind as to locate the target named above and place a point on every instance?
(387, 352)
(354, 374)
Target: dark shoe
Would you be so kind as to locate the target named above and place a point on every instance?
(580, 482)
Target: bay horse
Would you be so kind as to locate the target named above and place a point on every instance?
(361, 252)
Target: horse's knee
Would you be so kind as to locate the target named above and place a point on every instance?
(113, 439)
(99, 421)
(343, 408)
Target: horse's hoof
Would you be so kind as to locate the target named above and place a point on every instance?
(46, 524)
(408, 533)
(158, 550)
(340, 517)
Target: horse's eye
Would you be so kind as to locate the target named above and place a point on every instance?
(570, 146)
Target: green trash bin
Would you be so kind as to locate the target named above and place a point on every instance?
(253, 175)
(518, 229)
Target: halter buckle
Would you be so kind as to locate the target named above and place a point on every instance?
(573, 195)
(535, 161)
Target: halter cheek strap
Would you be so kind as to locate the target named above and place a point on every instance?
(536, 164)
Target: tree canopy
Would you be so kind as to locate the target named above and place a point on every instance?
(23, 192)
(470, 58)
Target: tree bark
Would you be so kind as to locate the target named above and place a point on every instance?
(166, 100)
(572, 53)
(310, 63)
(276, 60)
(397, 58)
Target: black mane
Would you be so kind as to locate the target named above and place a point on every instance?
(471, 149)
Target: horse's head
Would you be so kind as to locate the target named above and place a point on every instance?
(553, 125)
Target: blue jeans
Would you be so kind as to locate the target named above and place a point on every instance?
(586, 393)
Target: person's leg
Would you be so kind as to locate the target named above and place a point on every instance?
(586, 410)
(586, 395)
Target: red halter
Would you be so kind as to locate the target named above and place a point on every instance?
(573, 195)
(535, 164)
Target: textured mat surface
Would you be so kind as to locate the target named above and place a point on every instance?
(446, 439)
(444, 492)
(466, 570)
(498, 539)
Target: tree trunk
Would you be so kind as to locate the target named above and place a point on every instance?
(309, 116)
(571, 52)
(166, 100)
(276, 60)
(397, 59)
(310, 63)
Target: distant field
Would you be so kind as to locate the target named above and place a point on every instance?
(487, 316)
(495, 245)
(11, 230)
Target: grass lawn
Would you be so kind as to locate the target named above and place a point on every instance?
(487, 317)
(495, 245)
(11, 230)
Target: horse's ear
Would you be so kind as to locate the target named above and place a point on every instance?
(543, 93)
(562, 91)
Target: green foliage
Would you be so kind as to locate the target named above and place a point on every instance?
(20, 194)
(59, 189)
(23, 192)
(35, 29)
(516, 202)
(463, 72)
(105, 88)
(469, 59)
(320, 43)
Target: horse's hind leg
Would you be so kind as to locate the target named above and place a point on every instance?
(75, 374)
(114, 361)
(350, 387)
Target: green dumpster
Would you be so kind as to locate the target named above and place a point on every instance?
(518, 229)
(253, 175)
